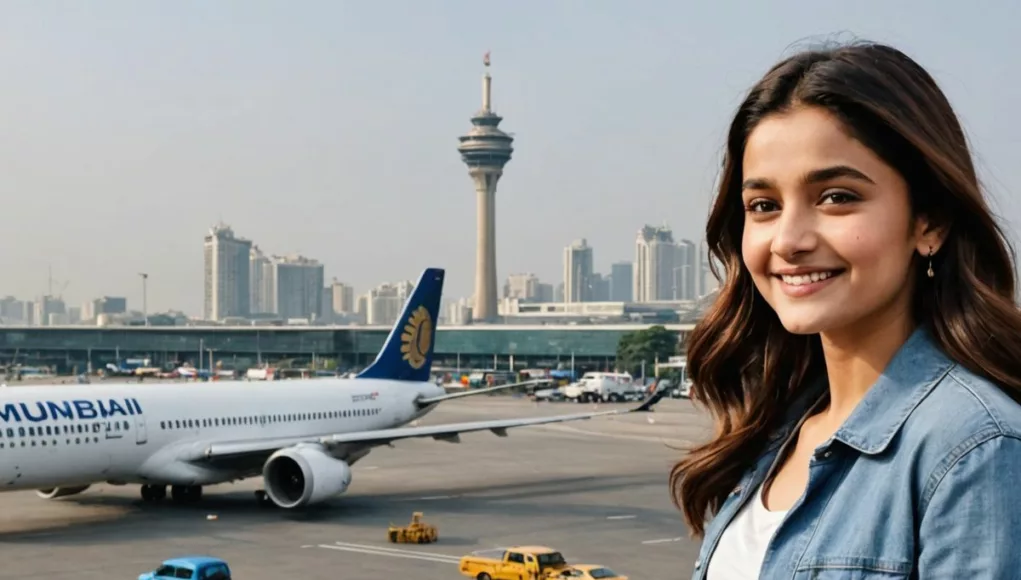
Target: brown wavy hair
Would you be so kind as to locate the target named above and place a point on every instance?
(744, 366)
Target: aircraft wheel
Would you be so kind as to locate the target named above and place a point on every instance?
(153, 492)
(263, 498)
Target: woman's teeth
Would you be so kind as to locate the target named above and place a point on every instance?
(803, 279)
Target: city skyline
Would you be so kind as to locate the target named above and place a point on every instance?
(336, 140)
(251, 278)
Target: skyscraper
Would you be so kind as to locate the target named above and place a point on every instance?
(227, 277)
(578, 272)
(621, 282)
(485, 149)
(654, 264)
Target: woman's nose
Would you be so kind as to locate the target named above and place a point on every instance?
(795, 233)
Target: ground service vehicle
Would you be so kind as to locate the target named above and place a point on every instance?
(417, 532)
(589, 572)
(597, 387)
(517, 563)
(190, 568)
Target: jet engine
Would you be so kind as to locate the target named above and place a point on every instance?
(303, 475)
(55, 492)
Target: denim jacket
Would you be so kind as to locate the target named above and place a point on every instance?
(923, 480)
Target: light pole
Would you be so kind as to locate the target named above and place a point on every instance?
(145, 297)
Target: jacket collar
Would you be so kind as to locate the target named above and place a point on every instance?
(914, 371)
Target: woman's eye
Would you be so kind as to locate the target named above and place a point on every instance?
(839, 197)
(761, 205)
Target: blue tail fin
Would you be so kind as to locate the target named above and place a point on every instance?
(407, 354)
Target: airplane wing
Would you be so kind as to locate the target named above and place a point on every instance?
(473, 392)
(449, 432)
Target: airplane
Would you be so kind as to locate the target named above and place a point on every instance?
(301, 437)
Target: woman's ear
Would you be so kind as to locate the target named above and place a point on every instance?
(929, 236)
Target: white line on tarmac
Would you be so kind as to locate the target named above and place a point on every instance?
(427, 498)
(376, 551)
(662, 540)
(399, 550)
(631, 517)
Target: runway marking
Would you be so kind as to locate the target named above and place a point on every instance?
(400, 550)
(432, 497)
(631, 517)
(662, 540)
(393, 552)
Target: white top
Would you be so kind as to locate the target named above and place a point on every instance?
(742, 546)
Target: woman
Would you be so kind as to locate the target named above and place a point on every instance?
(862, 362)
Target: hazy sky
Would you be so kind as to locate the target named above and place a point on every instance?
(330, 128)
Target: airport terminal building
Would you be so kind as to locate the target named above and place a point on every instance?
(498, 347)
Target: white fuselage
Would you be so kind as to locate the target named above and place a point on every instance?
(66, 435)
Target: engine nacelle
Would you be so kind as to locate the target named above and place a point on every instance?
(303, 475)
(56, 492)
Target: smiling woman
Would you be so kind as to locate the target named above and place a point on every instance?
(863, 360)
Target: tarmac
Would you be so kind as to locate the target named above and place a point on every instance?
(596, 490)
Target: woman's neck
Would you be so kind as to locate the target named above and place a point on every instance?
(855, 359)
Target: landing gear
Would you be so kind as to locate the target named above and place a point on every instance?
(263, 498)
(154, 493)
(186, 493)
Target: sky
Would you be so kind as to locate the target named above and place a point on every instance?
(329, 128)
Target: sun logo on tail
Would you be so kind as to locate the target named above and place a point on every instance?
(417, 337)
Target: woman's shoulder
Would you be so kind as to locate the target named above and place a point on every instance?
(964, 413)
(974, 403)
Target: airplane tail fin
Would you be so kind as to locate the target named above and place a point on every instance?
(407, 353)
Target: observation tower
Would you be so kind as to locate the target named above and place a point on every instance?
(485, 149)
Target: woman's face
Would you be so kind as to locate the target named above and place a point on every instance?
(828, 235)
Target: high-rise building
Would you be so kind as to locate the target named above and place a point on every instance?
(12, 311)
(622, 282)
(654, 264)
(485, 149)
(261, 283)
(343, 298)
(49, 311)
(298, 287)
(522, 287)
(544, 292)
(578, 272)
(685, 271)
(599, 288)
(385, 302)
(227, 274)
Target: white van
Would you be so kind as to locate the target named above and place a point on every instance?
(600, 387)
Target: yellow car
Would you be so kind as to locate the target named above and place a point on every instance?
(589, 571)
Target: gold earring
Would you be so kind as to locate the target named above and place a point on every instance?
(931, 273)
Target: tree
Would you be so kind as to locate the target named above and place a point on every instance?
(646, 346)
